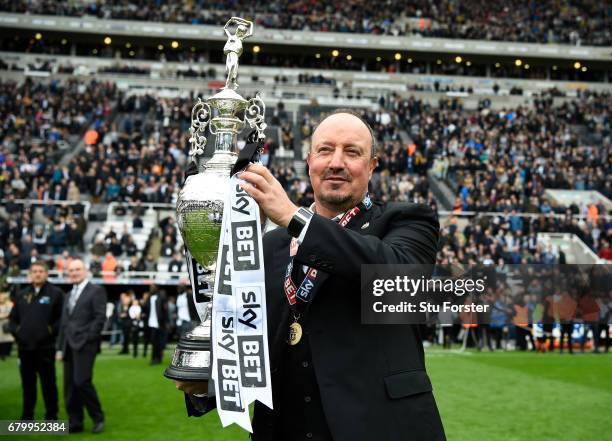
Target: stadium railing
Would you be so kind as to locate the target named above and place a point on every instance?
(370, 83)
(443, 213)
(155, 206)
(42, 203)
(114, 278)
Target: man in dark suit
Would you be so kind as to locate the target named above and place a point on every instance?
(341, 380)
(156, 313)
(83, 318)
(34, 321)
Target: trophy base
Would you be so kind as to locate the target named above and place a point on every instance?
(191, 360)
(186, 374)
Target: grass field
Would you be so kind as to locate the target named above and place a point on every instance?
(481, 396)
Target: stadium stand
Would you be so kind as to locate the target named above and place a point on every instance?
(94, 135)
(138, 154)
(576, 23)
(444, 64)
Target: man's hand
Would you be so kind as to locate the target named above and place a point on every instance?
(268, 193)
(192, 387)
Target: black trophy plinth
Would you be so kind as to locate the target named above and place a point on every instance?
(191, 360)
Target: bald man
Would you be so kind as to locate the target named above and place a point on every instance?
(83, 318)
(334, 378)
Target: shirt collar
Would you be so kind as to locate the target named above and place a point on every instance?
(366, 202)
(81, 285)
(335, 218)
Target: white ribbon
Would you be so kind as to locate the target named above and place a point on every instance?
(241, 367)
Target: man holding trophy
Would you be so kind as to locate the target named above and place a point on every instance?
(331, 377)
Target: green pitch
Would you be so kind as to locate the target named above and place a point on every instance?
(481, 396)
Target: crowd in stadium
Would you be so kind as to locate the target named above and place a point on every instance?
(494, 155)
(37, 117)
(135, 151)
(576, 23)
(40, 122)
(136, 156)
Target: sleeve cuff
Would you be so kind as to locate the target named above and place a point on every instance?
(196, 406)
(302, 235)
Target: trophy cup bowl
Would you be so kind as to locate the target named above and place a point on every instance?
(199, 211)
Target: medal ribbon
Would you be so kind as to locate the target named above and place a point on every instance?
(305, 289)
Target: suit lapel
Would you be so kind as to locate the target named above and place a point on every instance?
(80, 299)
(362, 221)
(281, 310)
(278, 308)
(357, 224)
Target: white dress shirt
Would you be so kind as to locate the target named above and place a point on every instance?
(77, 290)
(153, 322)
(182, 307)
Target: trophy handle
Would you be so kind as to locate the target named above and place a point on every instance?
(212, 130)
(255, 116)
(200, 118)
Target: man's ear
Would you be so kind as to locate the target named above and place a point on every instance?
(308, 162)
(373, 165)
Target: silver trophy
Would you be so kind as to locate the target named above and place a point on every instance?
(199, 208)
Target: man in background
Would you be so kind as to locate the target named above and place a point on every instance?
(34, 321)
(183, 321)
(83, 318)
(156, 312)
(125, 302)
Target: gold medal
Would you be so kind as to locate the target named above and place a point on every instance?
(295, 333)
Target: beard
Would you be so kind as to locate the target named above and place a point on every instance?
(336, 196)
(339, 202)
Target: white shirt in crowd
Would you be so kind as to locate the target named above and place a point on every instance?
(182, 307)
(153, 322)
(134, 313)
